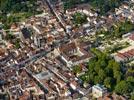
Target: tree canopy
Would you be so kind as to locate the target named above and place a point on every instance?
(16, 10)
(118, 29)
(103, 70)
(102, 6)
(123, 87)
(79, 18)
(15, 6)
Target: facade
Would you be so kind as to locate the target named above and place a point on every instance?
(125, 56)
(98, 91)
(39, 41)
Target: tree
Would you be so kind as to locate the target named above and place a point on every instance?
(103, 63)
(108, 82)
(110, 64)
(79, 18)
(76, 69)
(116, 66)
(17, 10)
(130, 79)
(102, 74)
(97, 68)
(10, 36)
(123, 87)
(17, 43)
(109, 71)
(132, 96)
(91, 64)
(117, 76)
(92, 76)
(103, 6)
(97, 80)
(85, 78)
(96, 52)
(15, 6)
(104, 70)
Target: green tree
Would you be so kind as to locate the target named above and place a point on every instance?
(92, 76)
(96, 52)
(116, 66)
(130, 79)
(17, 43)
(109, 71)
(117, 76)
(79, 18)
(17, 10)
(108, 82)
(76, 69)
(104, 70)
(97, 80)
(102, 6)
(97, 68)
(9, 36)
(102, 74)
(132, 96)
(123, 87)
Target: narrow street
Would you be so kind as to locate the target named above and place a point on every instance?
(55, 14)
(30, 59)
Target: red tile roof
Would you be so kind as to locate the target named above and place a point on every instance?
(132, 37)
(128, 54)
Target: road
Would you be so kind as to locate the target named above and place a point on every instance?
(32, 58)
(46, 90)
(55, 14)
(51, 68)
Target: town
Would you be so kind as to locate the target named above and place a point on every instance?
(60, 51)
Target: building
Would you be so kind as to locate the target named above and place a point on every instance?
(131, 39)
(125, 56)
(112, 96)
(98, 91)
(39, 41)
(26, 33)
(73, 54)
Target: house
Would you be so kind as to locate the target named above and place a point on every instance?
(131, 39)
(68, 29)
(98, 91)
(120, 58)
(73, 85)
(112, 97)
(124, 56)
(82, 91)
